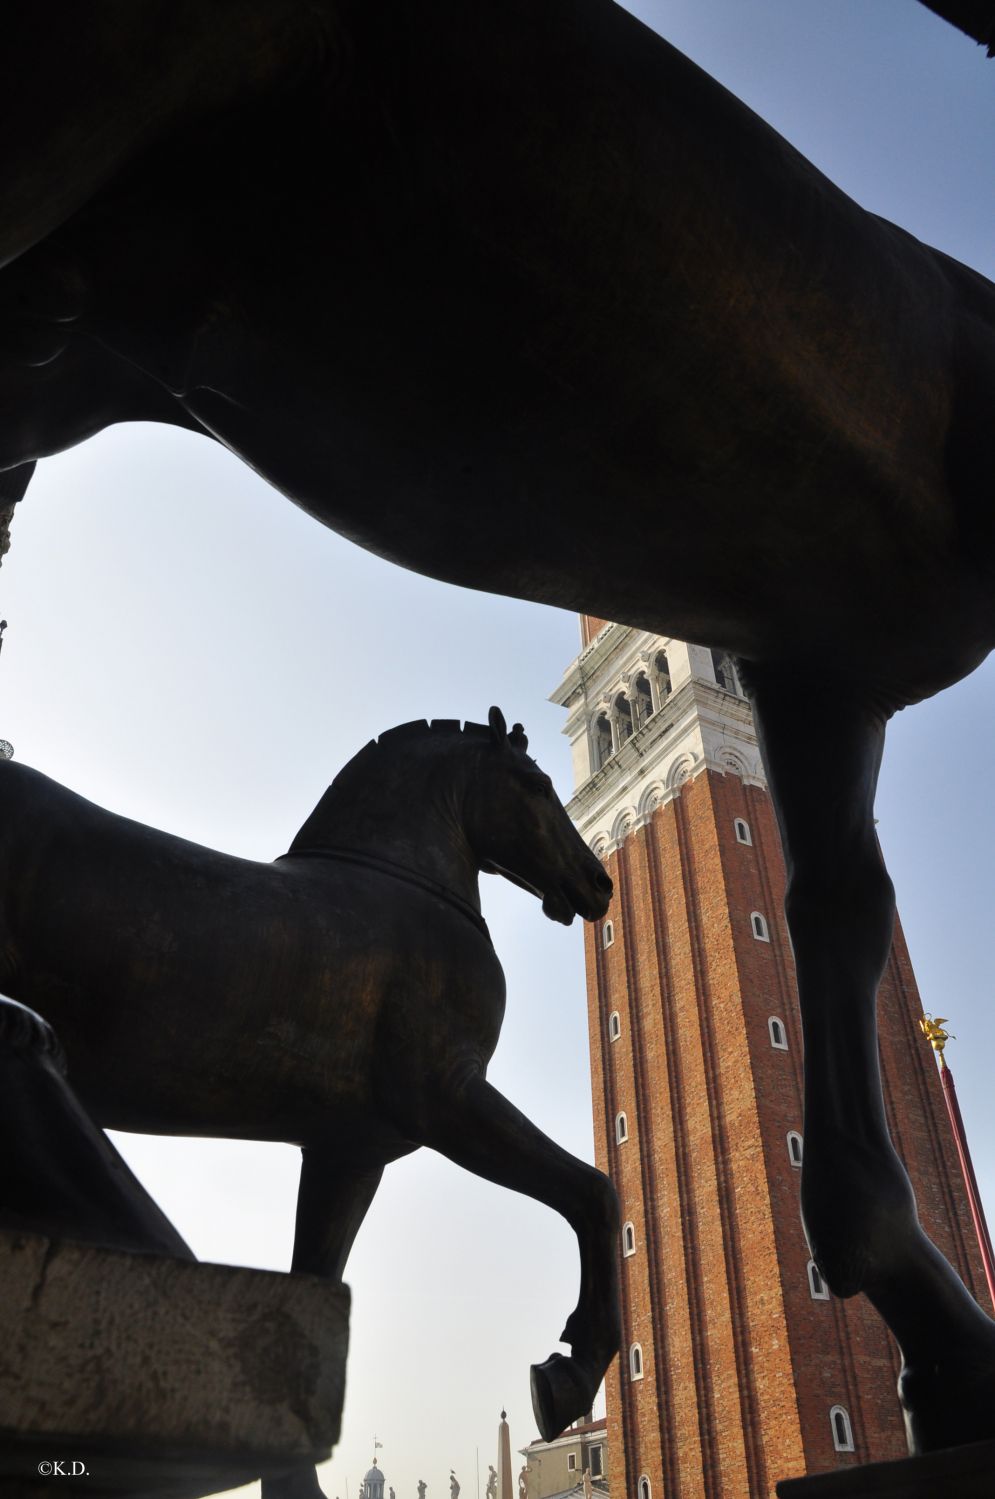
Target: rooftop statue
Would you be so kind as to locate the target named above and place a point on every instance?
(455, 278)
(345, 998)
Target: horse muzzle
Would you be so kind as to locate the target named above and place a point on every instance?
(591, 901)
(557, 905)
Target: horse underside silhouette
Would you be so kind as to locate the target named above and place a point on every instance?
(464, 282)
(345, 998)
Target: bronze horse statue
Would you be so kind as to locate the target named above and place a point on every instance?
(464, 279)
(345, 998)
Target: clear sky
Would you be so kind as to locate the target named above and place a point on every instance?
(188, 649)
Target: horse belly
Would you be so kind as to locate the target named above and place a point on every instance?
(665, 310)
(254, 1061)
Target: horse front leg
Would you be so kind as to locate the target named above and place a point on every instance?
(858, 1206)
(333, 1199)
(477, 1128)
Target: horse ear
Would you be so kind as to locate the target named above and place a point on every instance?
(499, 729)
(518, 739)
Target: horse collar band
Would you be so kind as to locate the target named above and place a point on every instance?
(397, 872)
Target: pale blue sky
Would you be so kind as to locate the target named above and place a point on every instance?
(187, 648)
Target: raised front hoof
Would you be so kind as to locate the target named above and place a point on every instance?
(561, 1392)
(948, 1405)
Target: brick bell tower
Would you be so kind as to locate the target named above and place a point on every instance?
(738, 1367)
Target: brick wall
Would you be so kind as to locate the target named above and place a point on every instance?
(741, 1364)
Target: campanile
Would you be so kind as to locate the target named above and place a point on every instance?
(738, 1367)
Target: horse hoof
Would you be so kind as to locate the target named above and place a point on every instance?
(949, 1406)
(560, 1394)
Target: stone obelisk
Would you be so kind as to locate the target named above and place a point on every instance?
(504, 1483)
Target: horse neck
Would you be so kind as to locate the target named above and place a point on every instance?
(407, 814)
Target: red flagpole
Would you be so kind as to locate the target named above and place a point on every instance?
(970, 1180)
(932, 1029)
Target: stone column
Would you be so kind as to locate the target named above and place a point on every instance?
(505, 1479)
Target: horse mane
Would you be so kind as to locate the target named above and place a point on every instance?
(362, 768)
(403, 735)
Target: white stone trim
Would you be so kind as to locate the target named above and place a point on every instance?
(759, 926)
(697, 727)
(817, 1288)
(842, 1442)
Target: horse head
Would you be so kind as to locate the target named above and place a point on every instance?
(517, 827)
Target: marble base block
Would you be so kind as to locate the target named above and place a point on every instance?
(956, 1473)
(158, 1376)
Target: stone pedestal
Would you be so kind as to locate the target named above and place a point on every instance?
(159, 1376)
(957, 1473)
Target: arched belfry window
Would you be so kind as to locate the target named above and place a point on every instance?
(636, 1361)
(795, 1147)
(607, 934)
(623, 717)
(614, 1025)
(644, 1490)
(725, 672)
(603, 746)
(743, 834)
(839, 1420)
(642, 701)
(778, 1035)
(628, 1239)
(621, 1128)
(662, 667)
(759, 925)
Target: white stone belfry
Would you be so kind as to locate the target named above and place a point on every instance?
(505, 1479)
(646, 714)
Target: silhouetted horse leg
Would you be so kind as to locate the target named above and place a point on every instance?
(857, 1203)
(333, 1199)
(478, 1128)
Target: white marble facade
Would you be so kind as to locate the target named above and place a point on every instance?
(647, 714)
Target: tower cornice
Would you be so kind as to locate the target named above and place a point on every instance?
(695, 724)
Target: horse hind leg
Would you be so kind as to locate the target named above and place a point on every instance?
(477, 1128)
(858, 1206)
(332, 1201)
